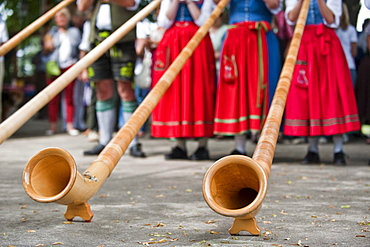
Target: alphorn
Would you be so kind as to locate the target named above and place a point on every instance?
(19, 37)
(236, 185)
(20, 117)
(51, 174)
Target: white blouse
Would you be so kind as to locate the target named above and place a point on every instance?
(334, 5)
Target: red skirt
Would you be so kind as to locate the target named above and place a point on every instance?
(187, 108)
(321, 100)
(242, 95)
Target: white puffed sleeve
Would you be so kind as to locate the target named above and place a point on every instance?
(334, 5)
(277, 9)
(206, 11)
(367, 3)
(163, 20)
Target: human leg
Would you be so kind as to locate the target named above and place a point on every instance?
(339, 156)
(53, 112)
(240, 144)
(105, 113)
(312, 156)
(178, 152)
(202, 152)
(129, 105)
(69, 105)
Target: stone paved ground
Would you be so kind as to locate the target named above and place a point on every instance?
(155, 202)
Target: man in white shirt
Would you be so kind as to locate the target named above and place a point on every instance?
(116, 65)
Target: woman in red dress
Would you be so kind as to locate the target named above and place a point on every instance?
(321, 99)
(186, 109)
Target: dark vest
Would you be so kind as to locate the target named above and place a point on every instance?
(119, 15)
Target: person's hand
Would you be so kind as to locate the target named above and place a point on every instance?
(83, 76)
(272, 4)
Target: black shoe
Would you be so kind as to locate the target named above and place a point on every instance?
(201, 154)
(311, 158)
(339, 159)
(236, 152)
(176, 154)
(95, 151)
(135, 151)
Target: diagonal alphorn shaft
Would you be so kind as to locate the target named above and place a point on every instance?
(20, 117)
(236, 185)
(51, 174)
(19, 37)
(265, 148)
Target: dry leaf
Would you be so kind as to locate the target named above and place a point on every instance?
(360, 236)
(24, 206)
(210, 222)
(31, 231)
(57, 243)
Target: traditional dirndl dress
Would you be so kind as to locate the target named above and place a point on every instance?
(187, 108)
(321, 99)
(242, 94)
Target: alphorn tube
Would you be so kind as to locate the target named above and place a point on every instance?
(51, 174)
(20, 117)
(10, 44)
(236, 185)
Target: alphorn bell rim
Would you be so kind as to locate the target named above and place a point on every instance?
(37, 161)
(245, 212)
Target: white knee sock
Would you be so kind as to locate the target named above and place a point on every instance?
(338, 143)
(181, 143)
(128, 107)
(240, 143)
(106, 115)
(202, 142)
(313, 144)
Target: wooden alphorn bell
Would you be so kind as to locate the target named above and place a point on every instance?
(19, 37)
(51, 174)
(236, 185)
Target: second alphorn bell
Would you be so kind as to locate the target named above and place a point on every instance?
(236, 185)
(51, 174)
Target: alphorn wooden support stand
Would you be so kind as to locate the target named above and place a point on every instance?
(51, 174)
(236, 185)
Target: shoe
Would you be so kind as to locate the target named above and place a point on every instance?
(95, 151)
(135, 151)
(93, 136)
(73, 132)
(176, 154)
(201, 154)
(311, 158)
(339, 159)
(236, 152)
(50, 132)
